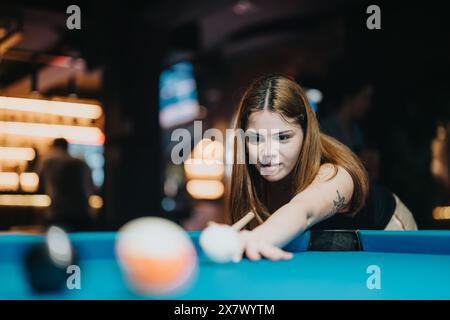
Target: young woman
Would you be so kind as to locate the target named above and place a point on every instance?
(294, 177)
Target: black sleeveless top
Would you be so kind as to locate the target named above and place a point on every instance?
(375, 215)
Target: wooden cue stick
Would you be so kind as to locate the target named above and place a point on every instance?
(243, 222)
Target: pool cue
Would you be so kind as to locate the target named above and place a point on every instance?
(243, 222)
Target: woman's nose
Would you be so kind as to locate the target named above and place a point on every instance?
(269, 152)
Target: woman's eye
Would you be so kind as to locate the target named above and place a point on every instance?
(284, 137)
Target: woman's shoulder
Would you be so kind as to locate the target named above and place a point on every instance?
(329, 170)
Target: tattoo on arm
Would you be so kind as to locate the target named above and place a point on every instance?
(338, 204)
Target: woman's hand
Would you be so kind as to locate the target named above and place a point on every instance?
(254, 247)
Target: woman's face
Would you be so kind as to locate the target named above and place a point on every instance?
(273, 144)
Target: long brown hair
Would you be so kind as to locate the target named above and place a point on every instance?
(245, 189)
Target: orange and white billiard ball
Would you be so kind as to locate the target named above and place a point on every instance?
(157, 256)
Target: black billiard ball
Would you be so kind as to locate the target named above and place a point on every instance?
(46, 262)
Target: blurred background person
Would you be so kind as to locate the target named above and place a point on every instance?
(68, 182)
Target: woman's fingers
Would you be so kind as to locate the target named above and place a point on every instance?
(238, 257)
(274, 253)
(252, 251)
(255, 249)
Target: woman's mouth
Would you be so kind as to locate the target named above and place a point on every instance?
(269, 168)
(269, 164)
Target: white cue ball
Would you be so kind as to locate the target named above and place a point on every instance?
(221, 243)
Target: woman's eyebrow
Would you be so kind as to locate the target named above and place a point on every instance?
(255, 133)
(286, 131)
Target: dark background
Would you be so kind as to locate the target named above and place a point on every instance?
(320, 43)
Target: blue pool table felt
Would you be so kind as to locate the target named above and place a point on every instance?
(414, 265)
